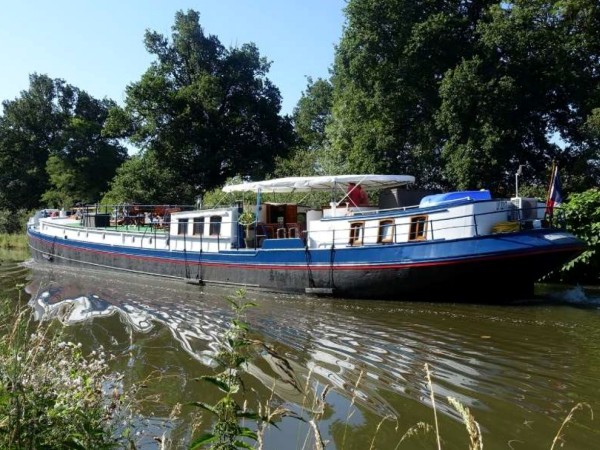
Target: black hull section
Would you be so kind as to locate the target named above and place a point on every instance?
(490, 278)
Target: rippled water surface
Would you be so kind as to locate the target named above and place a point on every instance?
(518, 367)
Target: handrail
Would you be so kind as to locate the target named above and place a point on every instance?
(340, 235)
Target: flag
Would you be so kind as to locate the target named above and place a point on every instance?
(554, 193)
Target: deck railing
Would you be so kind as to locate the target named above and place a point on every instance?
(371, 232)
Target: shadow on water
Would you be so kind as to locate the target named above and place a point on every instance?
(519, 367)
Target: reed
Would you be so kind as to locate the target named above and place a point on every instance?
(319, 404)
(351, 407)
(569, 417)
(473, 429)
(432, 396)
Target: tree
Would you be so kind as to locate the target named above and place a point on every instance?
(313, 113)
(460, 93)
(51, 148)
(525, 96)
(206, 112)
(27, 130)
(386, 76)
(143, 179)
(311, 116)
(86, 161)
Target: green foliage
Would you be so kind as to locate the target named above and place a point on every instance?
(311, 116)
(386, 77)
(26, 131)
(300, 162)
(206, 112)
(234, 352)
(51, 148)
(14, 242)
(246, 219)
(474, 157)
(13, 222)
(461, 93)
(50, 392)
(313, 113)
(593, 124)
(231, 358)
(506, 104)
(143, 179)
(582, 213)
(216, 196)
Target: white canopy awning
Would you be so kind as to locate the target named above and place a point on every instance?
(323, 183)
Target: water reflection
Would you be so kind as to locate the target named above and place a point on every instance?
(11, 271)
(519, 367)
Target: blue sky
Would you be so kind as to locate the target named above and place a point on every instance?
(98, 45)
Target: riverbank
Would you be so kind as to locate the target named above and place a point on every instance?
(13, 247)
(13, 241)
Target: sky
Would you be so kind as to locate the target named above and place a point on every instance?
(97, 45)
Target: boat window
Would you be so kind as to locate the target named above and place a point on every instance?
(215, 225)
(182, 226)
(198, 226)
(418, 228)
(357, 233)
(386, 231)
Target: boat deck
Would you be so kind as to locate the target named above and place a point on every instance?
(143, 229)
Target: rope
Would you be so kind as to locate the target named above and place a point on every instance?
(185, 261)
(311, 281)
(199, 274)
(53, 248)
(331, 259)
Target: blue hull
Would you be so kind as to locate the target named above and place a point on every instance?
(507, 263)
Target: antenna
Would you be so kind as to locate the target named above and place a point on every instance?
(519, 172)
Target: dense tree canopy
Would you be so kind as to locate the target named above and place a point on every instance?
(313, 113)
(51, 148)
(535, 80)
(143, 179)
(459, 93)
(204, 111)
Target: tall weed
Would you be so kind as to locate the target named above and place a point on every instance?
(51, 394)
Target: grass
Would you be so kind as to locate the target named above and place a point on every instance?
(53, 395)
(13, 241)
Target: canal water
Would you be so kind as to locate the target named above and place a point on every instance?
(358, 368)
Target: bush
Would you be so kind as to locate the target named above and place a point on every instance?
(582, 213)
(13, 222)
(51, 394)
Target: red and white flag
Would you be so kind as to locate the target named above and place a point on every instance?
(554, 192)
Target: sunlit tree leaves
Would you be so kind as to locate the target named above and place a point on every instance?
(205, 111)
(460, 93)
(51, 148)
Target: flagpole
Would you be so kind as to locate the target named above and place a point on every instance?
(550, 182)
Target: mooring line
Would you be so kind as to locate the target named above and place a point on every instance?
(308, 256)
(331, 260)
(185, 259)
(199, 275)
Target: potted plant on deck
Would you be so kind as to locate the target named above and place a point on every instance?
(247, 219)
